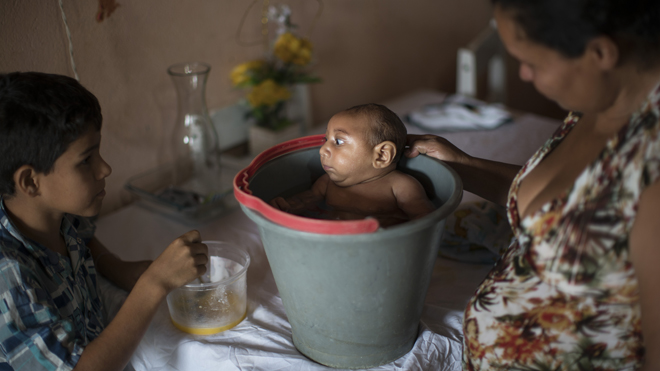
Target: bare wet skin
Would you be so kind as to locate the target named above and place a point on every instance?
(319, 209)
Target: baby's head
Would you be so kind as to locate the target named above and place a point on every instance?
(363, 143)
(41, 115)
(383, 125)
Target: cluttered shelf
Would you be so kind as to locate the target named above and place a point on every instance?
(263, 341)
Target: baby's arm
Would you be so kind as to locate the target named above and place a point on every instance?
(411, 197)
(303, 200)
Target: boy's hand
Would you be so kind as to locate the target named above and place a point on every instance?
(184, 260)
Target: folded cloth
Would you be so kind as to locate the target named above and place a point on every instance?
(476, 232)
(458, 113)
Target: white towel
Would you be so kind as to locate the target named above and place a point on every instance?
(457, 113)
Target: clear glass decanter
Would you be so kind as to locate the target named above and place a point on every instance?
(194, 144)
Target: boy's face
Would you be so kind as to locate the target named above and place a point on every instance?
(346, 156)
(76, 185)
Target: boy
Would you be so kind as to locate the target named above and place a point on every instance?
(363, 145)
(52, 177)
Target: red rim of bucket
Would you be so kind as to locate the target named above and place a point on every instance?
(244, 195)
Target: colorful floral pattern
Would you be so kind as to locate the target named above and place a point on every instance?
(564, 296)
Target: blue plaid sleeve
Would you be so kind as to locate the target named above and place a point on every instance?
(33, 336)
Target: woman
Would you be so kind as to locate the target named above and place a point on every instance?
(576, 288)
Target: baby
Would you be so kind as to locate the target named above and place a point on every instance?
(363, 145)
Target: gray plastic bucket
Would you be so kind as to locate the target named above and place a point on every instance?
(353, 301)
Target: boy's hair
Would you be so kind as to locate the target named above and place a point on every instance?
(40, 116)
(385, 125)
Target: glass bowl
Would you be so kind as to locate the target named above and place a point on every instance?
(218, 300)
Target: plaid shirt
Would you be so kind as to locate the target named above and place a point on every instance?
(49, 304)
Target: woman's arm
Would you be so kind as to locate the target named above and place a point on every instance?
(645, 256)
(182, 261)
(488, 179)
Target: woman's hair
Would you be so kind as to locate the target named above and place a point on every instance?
(40, 116)
(385, 125)
(567, 25)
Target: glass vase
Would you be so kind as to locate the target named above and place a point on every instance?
(194, 142)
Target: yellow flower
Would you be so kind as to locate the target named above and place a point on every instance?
(267, 93)
(241, 73)
(291, 49)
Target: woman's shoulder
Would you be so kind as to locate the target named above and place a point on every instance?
(639, 145)
(644, 123)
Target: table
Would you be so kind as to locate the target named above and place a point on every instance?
(263, 340)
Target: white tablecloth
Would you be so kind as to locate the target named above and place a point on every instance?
(263, 340)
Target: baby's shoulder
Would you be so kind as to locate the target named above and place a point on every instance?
(323, 181)
(398, 177)
(406, 185)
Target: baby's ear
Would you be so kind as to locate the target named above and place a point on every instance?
(25, 181)
(384, 154)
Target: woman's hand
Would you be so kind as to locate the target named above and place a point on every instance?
(436, 147)
(488, 179)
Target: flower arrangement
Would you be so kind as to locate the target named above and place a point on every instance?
(269, 79)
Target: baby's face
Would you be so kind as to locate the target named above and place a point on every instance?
(346, 156)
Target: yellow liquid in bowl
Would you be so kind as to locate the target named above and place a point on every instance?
(208, 330)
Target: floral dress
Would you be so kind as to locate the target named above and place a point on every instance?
(564, 296)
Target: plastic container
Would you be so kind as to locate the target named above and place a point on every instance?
(218, 301)
(353, 292)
